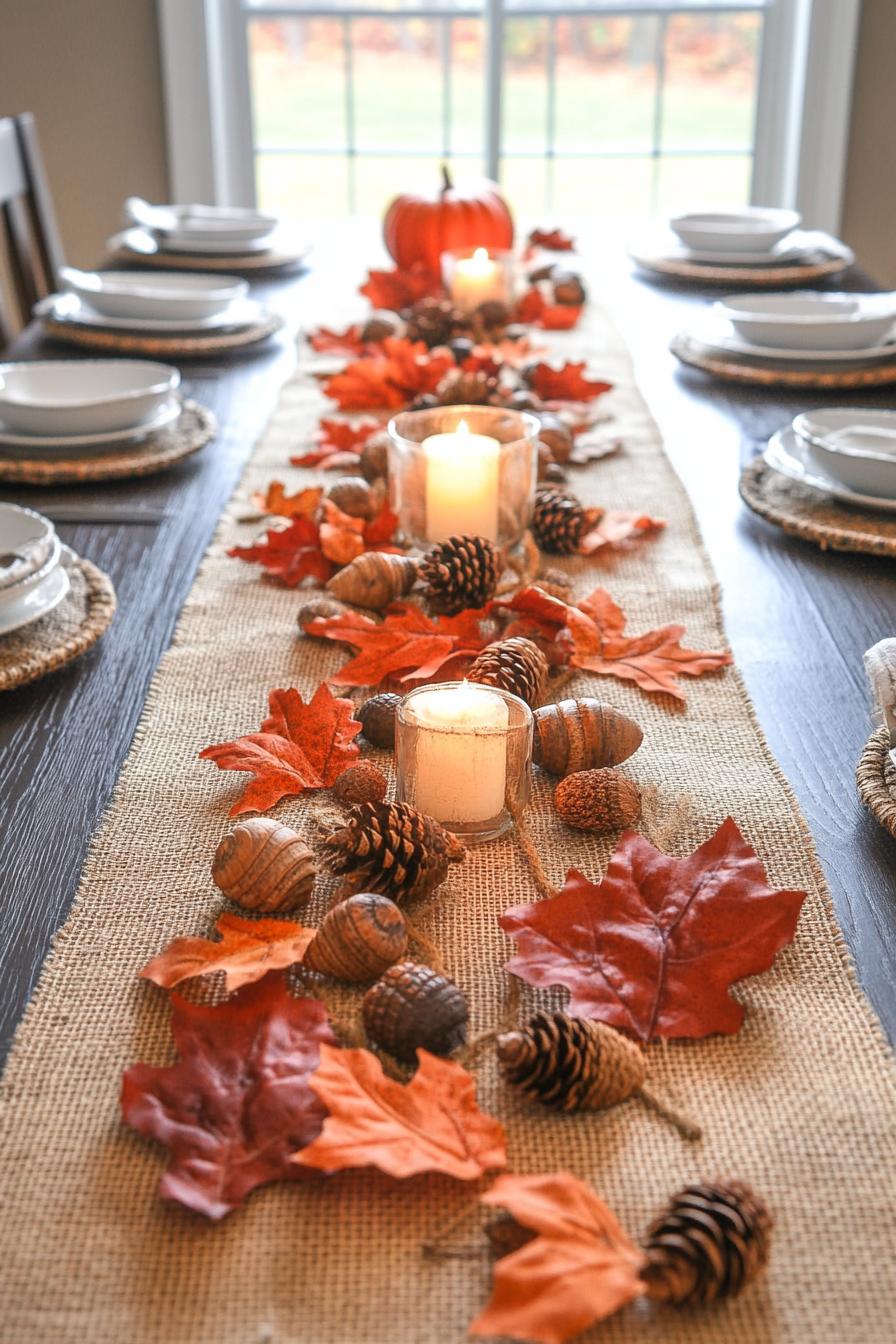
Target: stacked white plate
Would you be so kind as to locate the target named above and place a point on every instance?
(32, 578)
(63, 408)
(752, 237)
(848, 453)
(803, 327)
(175, 302)
(203, 229)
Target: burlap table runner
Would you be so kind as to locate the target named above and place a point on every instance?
(801, 1103)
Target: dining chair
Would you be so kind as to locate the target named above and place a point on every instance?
(30, 250)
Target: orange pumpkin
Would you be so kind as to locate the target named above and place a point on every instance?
(418, 229)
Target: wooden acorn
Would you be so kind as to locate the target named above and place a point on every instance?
(353, 495)
(374, 579)
(263, 865)
(361, 783)
(377, 717)
(358, 939)
(582, 735)
(412, 1006)
(709, 1243)
(374, 462)
(568, 288)
(598, 800)
(382, 324)
(556, 435)
(318, 608)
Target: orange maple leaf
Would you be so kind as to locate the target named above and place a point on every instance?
(580, 1268)
(565, 384)
(300, 746)
(247, 950)
(612, 526)
(389, 376)
(276, 501)
(431, 1123)
(399, 289)
(290, 554)
(407, 645)
(329, 342)
(534, 309)
(338, 444)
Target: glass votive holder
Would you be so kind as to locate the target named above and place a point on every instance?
(461, 751)
(457, 470)
(474, 275)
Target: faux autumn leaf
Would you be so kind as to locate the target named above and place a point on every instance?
(407, 645)
(237, 1103)
(276, 501)
(613, 526)
(399, 289)
(565, 384)
(247, 950)
(300, 746)
(580, 1268)
(290, 554)
(431, 1123)
(534, 309)
(342, 537)
(339, 444)
(328, 342)
(552, 240)
(390, 376)
(654, 948)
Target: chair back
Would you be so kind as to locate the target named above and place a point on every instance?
(30, 250)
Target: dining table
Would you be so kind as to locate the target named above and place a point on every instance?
(798, 617)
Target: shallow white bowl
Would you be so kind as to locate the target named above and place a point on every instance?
(810, 320)
(202, 223)
(751, 229)
(90, 396)
(856, 447)
(32, 536)
(155, 294)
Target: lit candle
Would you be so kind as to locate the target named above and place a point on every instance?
(476, 279)
(460, 766)
(461, 484)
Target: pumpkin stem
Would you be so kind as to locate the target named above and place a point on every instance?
(447, 184)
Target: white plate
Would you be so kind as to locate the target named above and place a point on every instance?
(166, 295)
(60, 397)
(718, 333)
(39, 601)
(788, 454)
(753, 228)
(142, 241)
(31, 537)
(811, 320)
(802, 247)
(13, 444)
(201, 222)
(69, 308)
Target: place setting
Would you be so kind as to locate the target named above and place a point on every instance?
(54, 605)
(68, 421)
(876, 770)
(755, 246)
(206, 238)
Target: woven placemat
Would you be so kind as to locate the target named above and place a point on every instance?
(876, 780)
(192, 430)
(172, 346)
(803, 512)
(69, 630)
(743, 277)
(277, 260)
(763, 373)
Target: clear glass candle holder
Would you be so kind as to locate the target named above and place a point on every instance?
(461, 752)
(457, 470)
(474, 275)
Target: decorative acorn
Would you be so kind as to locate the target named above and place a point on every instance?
(374, 579)
(460, 572)
(558, 521)
(515, 665)
(555, 583)
(353, 495)
(556, 434)
(380, 325)
(582, 735)
(412, 1007)
(709, 1243)
(598, 800)
(318, 608)
(377, 718)
(568, 288)
(263, 865)
(374, 461)
(358, 939)
(393, 848)
(361, 783)
(434, 321)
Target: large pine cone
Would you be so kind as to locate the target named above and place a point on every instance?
(515, 665)
(394, 849)
(558, 521)
(460, 572)
(458, 388)
(435, 321)
(571, 1064)
(709, 1243)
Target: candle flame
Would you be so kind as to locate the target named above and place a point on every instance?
(462, 428)
(480, 254)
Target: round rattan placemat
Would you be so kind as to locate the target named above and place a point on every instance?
(278, 259)
(65, 633)
(191, 431)
(765, 373)
(808, 514)
(743, 277)
(172, 346)
(876, 780)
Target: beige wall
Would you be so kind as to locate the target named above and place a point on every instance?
(869, 213)
(89, 71)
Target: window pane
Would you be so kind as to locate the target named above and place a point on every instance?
(687, 182)
(606, 83)
(398, 84)
(602, 188)
(524, 114)
(298, 82)
(711, 74)
(302, 185)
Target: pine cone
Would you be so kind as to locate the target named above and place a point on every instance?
(558, 522)
(570, 1063)
(468, 389)
(460, 572)
(434, 321)
(393, 849)
(709, 1243)
(515, 665)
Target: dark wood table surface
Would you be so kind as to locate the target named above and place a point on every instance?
(798, 619)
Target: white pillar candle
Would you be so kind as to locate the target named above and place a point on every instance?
(460, 766)
(476, 279)
(461, 484)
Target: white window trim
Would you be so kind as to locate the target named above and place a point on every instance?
(802, 123)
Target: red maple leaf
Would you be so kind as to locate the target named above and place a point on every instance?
(237, 1104)
(300, 746)
(552, 240)
(392, 375)
(565, 384)
(611, 527)
(407, 645)
(396, 289)
(329, 342)
(277, 502)
(289, 554)
(654, 948)
(339, 444)
(534, 309)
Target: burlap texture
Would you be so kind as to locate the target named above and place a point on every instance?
(800, 1103)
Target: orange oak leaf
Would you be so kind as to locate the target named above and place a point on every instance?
(399, 289)
(534, 309)
(276, 501)
(237, 1103)
(246, 950)
(338, 444)
(565, 384)
(552, 240)
(329, 342)
(613, 526)
(389, 376)
(407, 645)
(579, 1268)
(300, 746)
(341, 536)
(289, 554)
(654, 948)
(431, 1123)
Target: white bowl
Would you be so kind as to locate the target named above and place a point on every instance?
(33, 537)
(155, 294)
(811, 321)
(90, 396)
(751, 229)
(854, 446)
(202, 223)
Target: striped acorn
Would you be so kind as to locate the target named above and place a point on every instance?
(582, 735)
(359, 939)
(263, 865)
(598, 800)
(374, 579)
